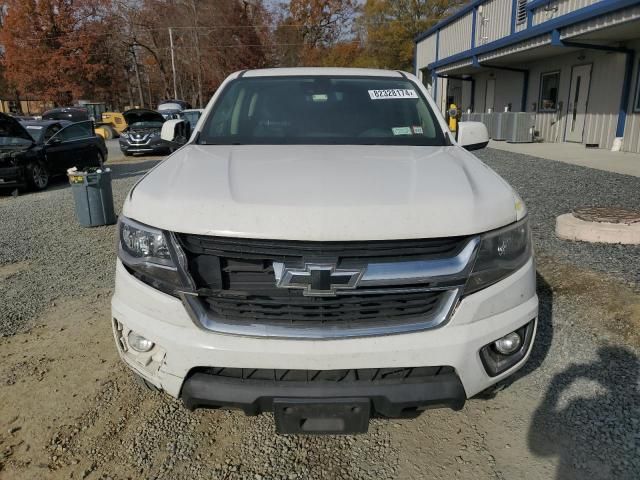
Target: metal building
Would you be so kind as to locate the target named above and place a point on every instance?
(573, 63)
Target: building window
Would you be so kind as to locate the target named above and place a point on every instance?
(636, 102)
(521, 12)
(549, 83)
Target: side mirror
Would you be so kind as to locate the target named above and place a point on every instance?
(54, 141)
(175, 131)
(473, 135)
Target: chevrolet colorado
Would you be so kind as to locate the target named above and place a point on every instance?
(322, 247)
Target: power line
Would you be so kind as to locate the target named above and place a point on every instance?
(215, 47)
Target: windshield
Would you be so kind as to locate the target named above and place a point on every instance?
(322, 110)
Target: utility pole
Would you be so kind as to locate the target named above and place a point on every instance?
(135, 64)
(173, 64)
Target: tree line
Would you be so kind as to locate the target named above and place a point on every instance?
(125, 52)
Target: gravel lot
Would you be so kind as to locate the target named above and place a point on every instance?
(50, 255)
(568, 414)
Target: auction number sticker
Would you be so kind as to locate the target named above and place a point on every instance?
(392, 94)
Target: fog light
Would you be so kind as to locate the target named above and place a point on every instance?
(508, 344)
(502, 354)
(139, 343)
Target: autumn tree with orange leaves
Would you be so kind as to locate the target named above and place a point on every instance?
(59, 50)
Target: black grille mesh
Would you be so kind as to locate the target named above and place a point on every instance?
(391, 375)
(296, 309)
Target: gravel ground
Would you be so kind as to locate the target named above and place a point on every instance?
(551, 188)
(570, 413)
(53, 257)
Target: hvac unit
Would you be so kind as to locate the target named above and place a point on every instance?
(499, 131)
(520, 127)
(487, 119)
(484, 118)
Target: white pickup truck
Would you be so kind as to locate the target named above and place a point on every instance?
(322, 247)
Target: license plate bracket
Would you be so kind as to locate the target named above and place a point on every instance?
(322, 416)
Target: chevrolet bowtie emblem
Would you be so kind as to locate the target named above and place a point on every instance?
(316, 279)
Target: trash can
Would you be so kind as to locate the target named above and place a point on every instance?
(93, 196)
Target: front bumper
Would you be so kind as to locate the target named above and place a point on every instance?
(11, 177)
(181, 348)
(149, 146)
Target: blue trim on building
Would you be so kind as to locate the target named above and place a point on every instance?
(474, 20)
(533, 4)
(626, 90)
(514, 11)
(585, 13)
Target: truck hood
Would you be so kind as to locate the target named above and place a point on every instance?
(10, 127)
(322, 193)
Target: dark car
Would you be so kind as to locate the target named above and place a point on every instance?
(142, 134)
(32, 152)
(72, 114)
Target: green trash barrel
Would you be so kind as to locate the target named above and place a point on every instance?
(93, 197)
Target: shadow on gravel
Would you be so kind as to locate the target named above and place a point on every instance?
(594, 436)
(133, 169)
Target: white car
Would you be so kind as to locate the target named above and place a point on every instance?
(322, 247)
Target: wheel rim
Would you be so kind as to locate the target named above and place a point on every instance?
(40, 177)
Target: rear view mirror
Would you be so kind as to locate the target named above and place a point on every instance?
(175, 131)
(473, 135)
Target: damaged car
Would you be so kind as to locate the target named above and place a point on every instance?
(32, 152)
(142, 136)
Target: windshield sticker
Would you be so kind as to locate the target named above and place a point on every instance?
(417, 130)
(320, 97)
(402, 131)
(392, 94)
(34, 127)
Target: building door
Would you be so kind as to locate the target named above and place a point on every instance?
(578, 96)
(490, 95)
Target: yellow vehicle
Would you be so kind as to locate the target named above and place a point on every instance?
(111, 125)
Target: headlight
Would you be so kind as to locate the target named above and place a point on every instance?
(147, 253)
(501, 253)
(125, 135)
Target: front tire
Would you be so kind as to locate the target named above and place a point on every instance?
(108, 132)
(100, 159)
(37, 176)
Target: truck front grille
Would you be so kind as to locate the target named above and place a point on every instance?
(238, 290)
